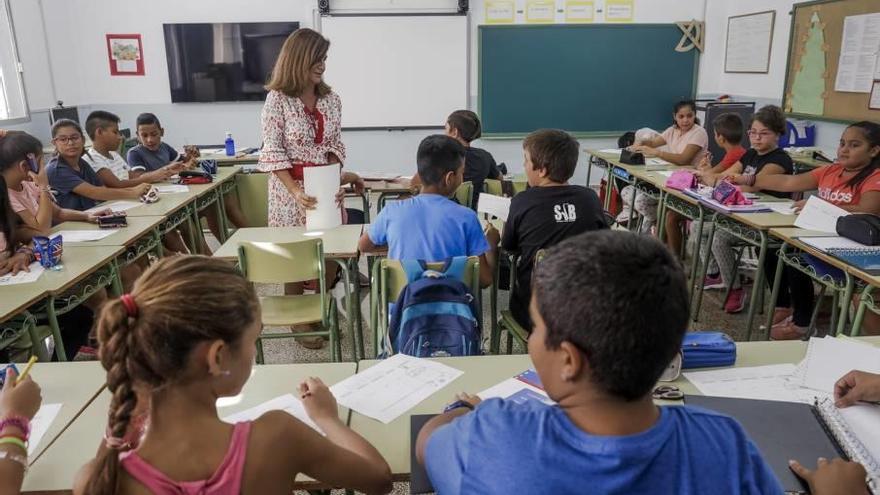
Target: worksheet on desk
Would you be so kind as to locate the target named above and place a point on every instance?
(84, 235)
(40, 425)
(23, 277)
(394, 386)
(287, 403)
(774, 382)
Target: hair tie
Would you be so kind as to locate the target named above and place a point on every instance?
(130, 306)
(116, 443)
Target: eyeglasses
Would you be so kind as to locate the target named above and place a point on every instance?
(762, 134)
(68, 139)
(667, 392)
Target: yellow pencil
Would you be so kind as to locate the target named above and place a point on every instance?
(27, 369)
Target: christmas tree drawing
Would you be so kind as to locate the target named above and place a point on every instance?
(808, 87)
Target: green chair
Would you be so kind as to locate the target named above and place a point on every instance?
(253, 195)
(464, 195)
(268, 263)
(493, 187)
(507, 321)
(388, 281)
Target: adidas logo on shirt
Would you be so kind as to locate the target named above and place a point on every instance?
(564, 213)
(836, 197)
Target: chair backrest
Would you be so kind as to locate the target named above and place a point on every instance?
(493, 187)
(519, 186)
(270, 263)
(253, 196)
(465, 194)
(390, 278)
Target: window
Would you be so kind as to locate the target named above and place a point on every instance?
(13, 105)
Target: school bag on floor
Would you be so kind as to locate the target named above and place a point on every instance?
(435, 314)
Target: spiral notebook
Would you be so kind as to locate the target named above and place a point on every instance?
(865, 258)
(787, 430)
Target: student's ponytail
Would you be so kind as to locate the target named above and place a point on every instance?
(871, 131)
(117, 342)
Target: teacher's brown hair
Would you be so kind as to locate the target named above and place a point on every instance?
(302, 50)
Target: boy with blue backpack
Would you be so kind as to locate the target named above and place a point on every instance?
(430, 226)
(599, 362)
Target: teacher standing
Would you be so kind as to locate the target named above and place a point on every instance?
(301, 127)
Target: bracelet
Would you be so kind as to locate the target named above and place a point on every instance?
(23, 438)
(12, 456)
(13, 441)
(750, 180)
(20, 422)
(457, 404)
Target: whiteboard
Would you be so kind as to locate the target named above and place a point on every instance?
(749, 39)
(397, 71)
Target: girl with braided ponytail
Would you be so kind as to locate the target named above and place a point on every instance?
(170, 360)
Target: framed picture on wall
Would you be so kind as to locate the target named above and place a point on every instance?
(749, 41)
(125, 54)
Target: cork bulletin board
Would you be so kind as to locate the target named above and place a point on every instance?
(814, 57)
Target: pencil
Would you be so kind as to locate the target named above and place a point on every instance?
(27, 369)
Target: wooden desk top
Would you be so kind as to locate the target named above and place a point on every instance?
(339, 242)
(137, 227)
(401, 185)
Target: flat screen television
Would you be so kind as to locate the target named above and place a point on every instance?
(222, 61)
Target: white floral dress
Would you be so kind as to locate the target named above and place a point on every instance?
(294, 136)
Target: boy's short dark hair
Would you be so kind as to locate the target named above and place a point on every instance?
(147, 119)
(772, 118)
(466, 123)
(100, 119)
(437, 156)
(553, 150)
(619, 297)
(729, 126)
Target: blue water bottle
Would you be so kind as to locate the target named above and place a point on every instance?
(230, 145)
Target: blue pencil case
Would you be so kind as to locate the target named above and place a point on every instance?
(707, 350)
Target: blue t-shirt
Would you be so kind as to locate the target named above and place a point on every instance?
(140, 158)
(63, 180)
(428, 227)
(504, 447)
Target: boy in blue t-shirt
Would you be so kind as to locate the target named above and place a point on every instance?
(430, 226)
(599, 362)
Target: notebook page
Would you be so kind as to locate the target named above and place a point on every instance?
(830, 358)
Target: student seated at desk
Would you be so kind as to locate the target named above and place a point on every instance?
(764, 159)
(728, 134)
(838, 476)
(430, 226)
(164, 358)
(152, 155)
(464, 126)
(19, 403)
(610, 309)
(76, 184)
(684, 143)
(851, 183)
(547, 212)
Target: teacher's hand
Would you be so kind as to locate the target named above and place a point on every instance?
(305, 201)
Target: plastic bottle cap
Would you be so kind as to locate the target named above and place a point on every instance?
(228, 134)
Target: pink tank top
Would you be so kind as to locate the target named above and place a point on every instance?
(226, 480)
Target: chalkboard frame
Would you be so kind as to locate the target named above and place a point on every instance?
(578, 134)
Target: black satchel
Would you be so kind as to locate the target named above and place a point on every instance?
(863, 228)
(631, 157)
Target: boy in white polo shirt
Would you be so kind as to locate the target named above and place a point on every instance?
(103, 129)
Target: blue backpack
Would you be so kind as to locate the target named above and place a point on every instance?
(435, 314)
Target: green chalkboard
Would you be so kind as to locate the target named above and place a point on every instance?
(593, 79)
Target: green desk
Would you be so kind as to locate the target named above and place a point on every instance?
(213, 194)
(754, 230)
(224, 161)
(387, 190)
(56, 468)
(340, 245)
(141, 235)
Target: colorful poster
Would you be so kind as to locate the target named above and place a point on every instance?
(126, 54)
(500, 12)
(541, 11)
(579, 11)
(619, 10)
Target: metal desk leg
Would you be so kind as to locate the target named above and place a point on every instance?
(609, 187)
(704, 266)
(193, 225)
(358, 319)
(349, 307)
(844, 305)
(494, 332)
(860, 313)
(366, 202)
(774, 292)
(116, 280)
(661, 216)
(374, 306)
(632, 208)
(759, 285)
(56, 329)
(223, 223)
(696, 256)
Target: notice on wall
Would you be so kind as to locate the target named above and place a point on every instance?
(619, 10)
(540, 11)
(860, 45)
(579, 11)
(500, 12)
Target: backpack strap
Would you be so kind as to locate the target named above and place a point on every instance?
(455, 267)
(413, 268)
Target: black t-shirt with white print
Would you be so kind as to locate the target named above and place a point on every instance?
(541, 217)
(753, 163)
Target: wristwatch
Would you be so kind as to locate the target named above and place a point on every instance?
(457, 404)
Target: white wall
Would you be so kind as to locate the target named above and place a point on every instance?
(73, 68)
(761, 88)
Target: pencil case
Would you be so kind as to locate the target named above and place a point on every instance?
(863, 228)
(707, 350)
(117, 220)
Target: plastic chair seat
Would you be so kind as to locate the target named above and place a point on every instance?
(292, 310)
(509, 322)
